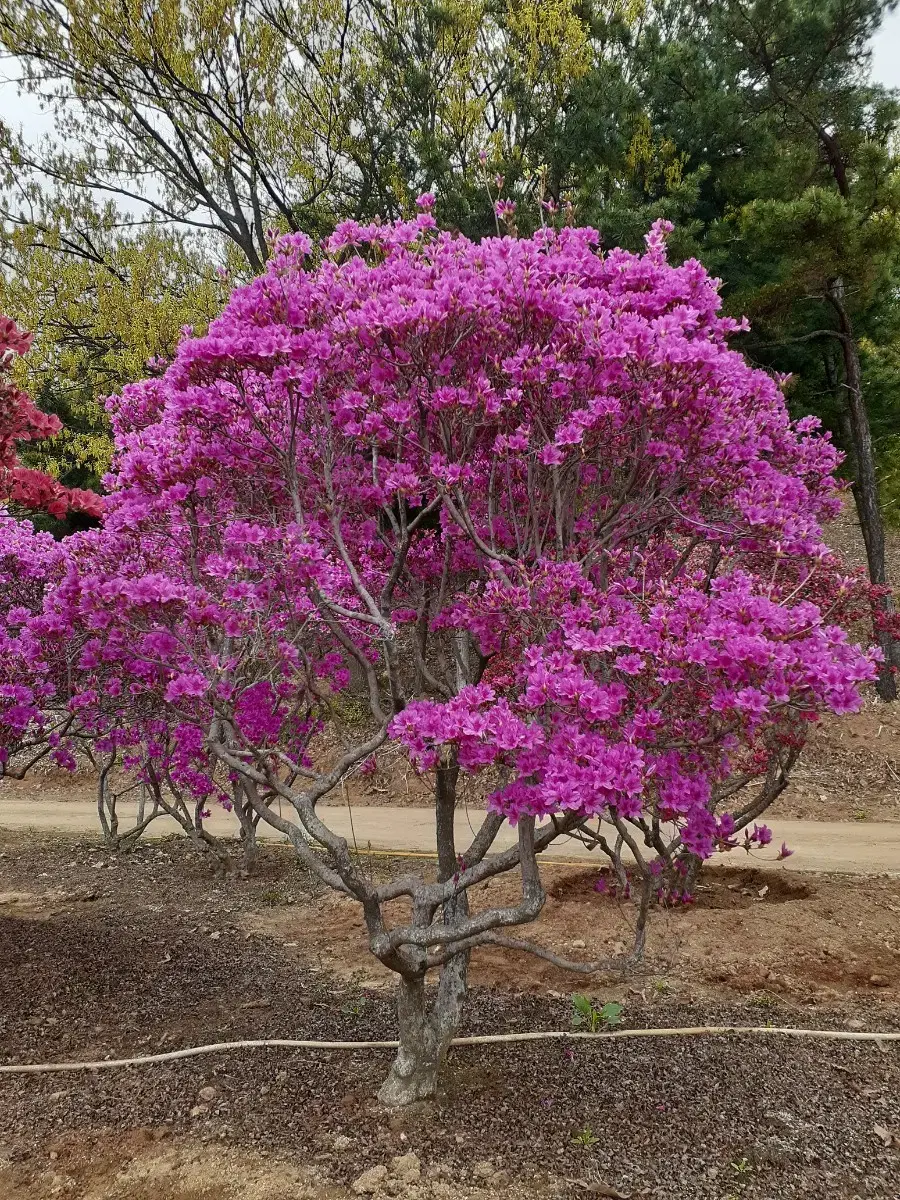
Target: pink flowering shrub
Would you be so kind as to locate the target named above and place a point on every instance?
(526, 506)
(29, 562)
(20, 421)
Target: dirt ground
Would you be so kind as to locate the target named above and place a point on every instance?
(849, 770)
(106, 957)
(755, 933)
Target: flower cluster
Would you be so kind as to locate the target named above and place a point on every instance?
(640, 698)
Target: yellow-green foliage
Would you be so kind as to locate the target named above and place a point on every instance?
(547, 41)
(654, 163)
(98, 318)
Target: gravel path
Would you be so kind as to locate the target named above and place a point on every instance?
(848, 847)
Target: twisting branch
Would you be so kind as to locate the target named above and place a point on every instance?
(607, 965)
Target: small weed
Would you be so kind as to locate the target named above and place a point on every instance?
(611, 1013)
(354, 1008)
(595, 1017)
(661, 986)
(860, 815)
(586, 1138)
(763, 1000)
(271, 896)
(742, 1168)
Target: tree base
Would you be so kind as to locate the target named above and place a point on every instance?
(409, 1087)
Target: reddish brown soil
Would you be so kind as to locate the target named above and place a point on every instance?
(849, 770)
(761, 934)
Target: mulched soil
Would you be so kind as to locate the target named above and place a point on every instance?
(106, 957)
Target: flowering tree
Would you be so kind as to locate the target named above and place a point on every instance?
(40, 717)
(20, 421)
(29, 561)
(521, 500)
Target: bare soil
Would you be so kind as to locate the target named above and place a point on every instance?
(849, 769)
(761, 934)
(113, 956)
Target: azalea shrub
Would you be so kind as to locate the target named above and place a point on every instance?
(35, 710)
(21, 421)
(526, 505)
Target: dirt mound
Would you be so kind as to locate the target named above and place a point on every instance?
(729, 889)
(748, 930)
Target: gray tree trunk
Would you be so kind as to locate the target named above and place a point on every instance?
(865, 488)
(425, 1034)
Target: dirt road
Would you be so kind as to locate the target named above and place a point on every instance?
(847, 847)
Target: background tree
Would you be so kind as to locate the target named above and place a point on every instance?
(183, 133)
(204, 115)
(800, 205)
(105, 302)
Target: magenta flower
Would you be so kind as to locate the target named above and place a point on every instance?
(761, 835)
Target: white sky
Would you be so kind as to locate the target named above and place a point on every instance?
(886, 57)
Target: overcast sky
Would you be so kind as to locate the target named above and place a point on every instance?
(886, 59)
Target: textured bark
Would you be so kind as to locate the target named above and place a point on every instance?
(865, 488)
(248, 822)
(415, 1070)
(425, 1034)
